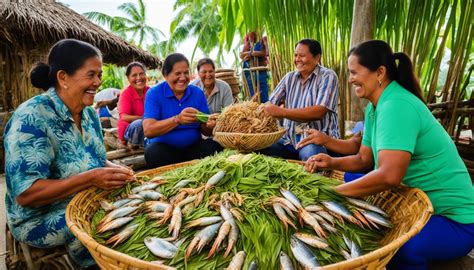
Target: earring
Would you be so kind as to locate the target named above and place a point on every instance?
(65, 86)
(380, 83)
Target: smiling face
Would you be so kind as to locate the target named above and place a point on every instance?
(304, 61)
(178, 78)
(137, 78)
(207, 75)
(83, 84)
(364, 81)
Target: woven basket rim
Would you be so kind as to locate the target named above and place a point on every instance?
(88, 241)
(220, 133)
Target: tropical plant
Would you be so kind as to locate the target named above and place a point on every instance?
(132, 27)
(198, 18)
(425, 30)
(112, 77)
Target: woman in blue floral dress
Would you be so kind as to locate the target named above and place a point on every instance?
(54, 149)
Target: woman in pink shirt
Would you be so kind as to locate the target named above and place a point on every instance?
(131, 106)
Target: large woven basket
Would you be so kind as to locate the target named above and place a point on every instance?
(248, 142)
(409, 210)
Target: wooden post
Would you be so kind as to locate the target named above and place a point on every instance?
(363, 21)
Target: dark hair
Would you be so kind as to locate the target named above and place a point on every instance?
(376, 53)
(68, 55)
(128, 70)
(204, 61)
(313, 45)
(170, 61)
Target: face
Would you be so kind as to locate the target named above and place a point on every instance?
(305, 62)
(83, 84)
(178, 78)
(137, 78)
(363, 80)
(207, 75)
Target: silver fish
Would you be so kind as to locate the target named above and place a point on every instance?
(116, 223)
(291, 197)
(312, 240)
(134, 202)
(203, 221)
(146, 186)
(285, 261)
(117, 213)
(160, 247)
(303, 254)
(377, 218)
(182, 183)
(367, 206)
(122, 235)
(340, 210)
(237, 261)
(215, 179)
(150, 195)
(157, 206)
(121, 202)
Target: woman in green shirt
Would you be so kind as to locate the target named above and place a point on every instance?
(406, 145)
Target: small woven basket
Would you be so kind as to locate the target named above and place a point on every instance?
(248, 142)
(409, 210)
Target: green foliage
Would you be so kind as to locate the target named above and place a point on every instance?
(261, 234)
(133, 27)
(112, 76)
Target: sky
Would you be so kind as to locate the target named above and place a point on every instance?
(159, 14)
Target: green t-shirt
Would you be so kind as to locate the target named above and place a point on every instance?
(402, 122)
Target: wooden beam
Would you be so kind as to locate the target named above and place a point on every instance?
(121, 153)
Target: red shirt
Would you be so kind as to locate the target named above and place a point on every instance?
(132, 104)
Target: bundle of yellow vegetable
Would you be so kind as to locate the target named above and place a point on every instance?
(246, 117)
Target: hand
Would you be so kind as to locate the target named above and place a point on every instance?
(275, 111)
(319, 161)
(187, 116)
(314, 137)
(111, 177)
(211, 121)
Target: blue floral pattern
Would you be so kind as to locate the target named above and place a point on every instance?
(42, 141)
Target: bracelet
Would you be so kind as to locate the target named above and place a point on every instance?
(176, 119)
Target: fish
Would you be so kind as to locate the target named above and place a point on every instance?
(223, 232)
(290, 196)
(341, 210)
(116, 223)
(157, 206)
(160, 247)
(253, 265)
(146, 186)
(182, 183)
(122, 235)
(203, 221)
(314, 208)
(303, 254)
(281, 214)
(237, 261)
(215, 179)
(367, 206)
(117, 213)
(377, 218)
(201, 238)
(150, 195)
(285, 261)
(312, 240)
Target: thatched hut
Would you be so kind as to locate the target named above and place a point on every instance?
(28, 28)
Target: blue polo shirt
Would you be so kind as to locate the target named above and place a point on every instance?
(161, 103)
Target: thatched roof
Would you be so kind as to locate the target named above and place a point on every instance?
(43, 22)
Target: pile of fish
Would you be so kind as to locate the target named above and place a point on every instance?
(311, 227)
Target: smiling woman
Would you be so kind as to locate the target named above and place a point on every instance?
(54, 148)
(170, 120)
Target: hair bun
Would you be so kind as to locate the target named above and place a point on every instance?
(39, 76)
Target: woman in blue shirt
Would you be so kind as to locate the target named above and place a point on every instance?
(54, 149)
(170, 124)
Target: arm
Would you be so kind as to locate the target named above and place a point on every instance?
(307, 114)
(345, 147)
(154, 128)
(361, 161)
(130, 118)
(46, 191)
(245, 53)
(126, 107)
(392, 169)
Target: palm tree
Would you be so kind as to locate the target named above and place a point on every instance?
(133, 25)
(200, 19)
